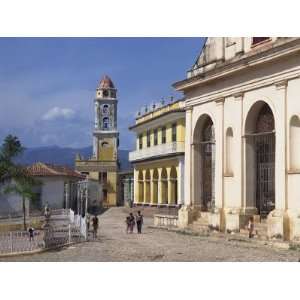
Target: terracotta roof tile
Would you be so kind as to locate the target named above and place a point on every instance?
(43, 169)
(106, 83)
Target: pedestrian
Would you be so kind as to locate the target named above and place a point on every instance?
(95, 226)
(139, 221)
(88, 222)
(31, 234)
(131, 223)
(127, 224)
(251, 227)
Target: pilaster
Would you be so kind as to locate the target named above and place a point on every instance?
(188, 182)
(280, 151)
(219, 164)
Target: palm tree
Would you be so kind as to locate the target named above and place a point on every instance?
(22, 188)
(14, 175)
(9, 170)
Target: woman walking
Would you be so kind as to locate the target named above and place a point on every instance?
(131, 222)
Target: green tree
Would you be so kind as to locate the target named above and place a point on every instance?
(23, 188)
(9, 150)
(13, 175)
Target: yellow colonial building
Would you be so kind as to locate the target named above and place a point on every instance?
(158, 160)
(103, 165)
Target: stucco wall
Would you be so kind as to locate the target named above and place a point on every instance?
(228, 102)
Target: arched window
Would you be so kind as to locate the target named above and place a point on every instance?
(229, 156)
(105, 123)
(105, 144)
(295, 143)
(105, 109)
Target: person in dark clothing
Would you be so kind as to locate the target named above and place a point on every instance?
(95, 226)
(131, 223)
(31, 234)
(127, 224)
(139, 221)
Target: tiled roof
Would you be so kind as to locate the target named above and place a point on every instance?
(43, 169)
(106, 83)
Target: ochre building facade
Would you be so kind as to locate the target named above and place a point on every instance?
(158, 160)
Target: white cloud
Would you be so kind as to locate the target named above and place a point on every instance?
(58, 113)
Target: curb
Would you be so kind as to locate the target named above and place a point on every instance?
(275, 244)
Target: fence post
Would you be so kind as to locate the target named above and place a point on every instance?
(11, 242)
(70, 234)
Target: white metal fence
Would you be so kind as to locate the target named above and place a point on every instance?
(68, 228)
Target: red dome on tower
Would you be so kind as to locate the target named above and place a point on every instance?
(106, 83)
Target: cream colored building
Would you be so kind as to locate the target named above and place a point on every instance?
(159, 156)
(242, 142)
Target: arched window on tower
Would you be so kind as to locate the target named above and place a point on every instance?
(105, 109)
(105, 123)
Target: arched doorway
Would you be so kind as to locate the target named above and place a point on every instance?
(164, 186)
(260, 158)
(204, 163)
(207, 149)
(147, 187)
(155, 186)
(173, 179)
(141, 187)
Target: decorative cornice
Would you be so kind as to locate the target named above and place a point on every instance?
(220, 101)
(189, 108)
(238, 96)
(281, 84)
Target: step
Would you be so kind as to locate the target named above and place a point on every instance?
(201, 222)
(199, 228)
(204, 215)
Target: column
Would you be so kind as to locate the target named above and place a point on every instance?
(145, 186)
(151, 187)
(180, 181)
(240, 140)
(135, 186)
(219, 165)
(188, 185)
(280, 151)
(169, 185)
(159, 184)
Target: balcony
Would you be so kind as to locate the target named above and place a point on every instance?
(159, 150)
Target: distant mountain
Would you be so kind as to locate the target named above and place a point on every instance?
(65, 156)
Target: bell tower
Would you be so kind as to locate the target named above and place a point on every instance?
(106, 140)
(106, 135)
(103, 165)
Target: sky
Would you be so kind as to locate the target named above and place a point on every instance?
(47, 85)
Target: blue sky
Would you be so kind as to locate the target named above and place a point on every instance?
(47, 85)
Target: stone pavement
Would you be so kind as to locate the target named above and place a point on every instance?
(153, 245)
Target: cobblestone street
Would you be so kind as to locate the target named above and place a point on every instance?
(157, 245)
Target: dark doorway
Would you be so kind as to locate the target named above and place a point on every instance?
(263, 143)
(207, 148)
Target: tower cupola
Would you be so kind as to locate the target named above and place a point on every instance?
(106, 88)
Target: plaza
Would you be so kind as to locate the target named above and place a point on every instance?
(156, 245)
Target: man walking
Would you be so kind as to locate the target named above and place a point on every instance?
(95, 226)
(139, 221)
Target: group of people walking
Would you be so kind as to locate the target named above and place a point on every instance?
(131, 221)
